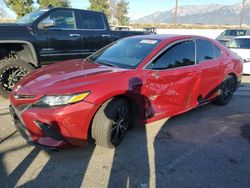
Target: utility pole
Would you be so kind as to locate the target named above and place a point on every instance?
(175, 12)
(242, 12)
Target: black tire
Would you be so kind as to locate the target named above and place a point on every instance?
(107, 123)
(226, 91)
(11, 71)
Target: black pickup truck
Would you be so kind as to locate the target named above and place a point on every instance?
(49, 35)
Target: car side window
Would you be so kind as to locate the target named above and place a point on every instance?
(205, 50)
(217, 51)
(91, 20)
(178, 55)
(63, 19)
(241, 33)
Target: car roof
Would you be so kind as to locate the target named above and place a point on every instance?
(69, 8)
(237, 29)
(243, 37)
(166, 36)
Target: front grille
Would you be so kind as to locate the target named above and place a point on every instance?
(20, 96)
(22, 107)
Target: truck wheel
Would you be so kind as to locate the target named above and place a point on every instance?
(111, 123)
(11, 71)
(226, 91)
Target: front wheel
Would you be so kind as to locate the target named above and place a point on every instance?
(110, 123)
(226, 91)
(11, 71)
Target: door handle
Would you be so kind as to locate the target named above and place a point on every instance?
(74, 35)
(105, 35)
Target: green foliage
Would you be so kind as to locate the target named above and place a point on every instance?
(121, 12)
(55, 3)
(20, 7)
(100, 5)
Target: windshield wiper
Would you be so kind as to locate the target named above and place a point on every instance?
(106, 63)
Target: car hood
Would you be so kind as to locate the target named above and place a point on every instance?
(14, 31)
(243, 53)
(225, 38)
(66, 77)
(12, 27)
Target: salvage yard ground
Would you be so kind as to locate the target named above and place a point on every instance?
(207, 147)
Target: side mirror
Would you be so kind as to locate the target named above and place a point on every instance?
(47, 23)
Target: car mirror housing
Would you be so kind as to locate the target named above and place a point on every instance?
(47, 23)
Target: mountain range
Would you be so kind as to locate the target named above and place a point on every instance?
(201, 14)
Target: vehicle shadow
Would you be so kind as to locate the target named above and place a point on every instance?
(130, 166)
(10, 180)
(63, 169)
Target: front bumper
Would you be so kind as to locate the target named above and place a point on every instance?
(54, 127)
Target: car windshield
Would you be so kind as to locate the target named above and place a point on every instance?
(239, 43)
(31, 17)
(234, 33)
(125, 53)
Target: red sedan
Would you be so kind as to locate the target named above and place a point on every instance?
(134, 80)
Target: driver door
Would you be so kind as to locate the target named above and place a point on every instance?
(171, 81)
(64, 40)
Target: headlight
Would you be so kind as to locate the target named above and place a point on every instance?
(59, 100)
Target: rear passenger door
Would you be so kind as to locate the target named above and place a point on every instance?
(95, 34)
(210, 62)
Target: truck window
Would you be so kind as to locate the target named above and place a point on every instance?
(64, 19)
(91, 20)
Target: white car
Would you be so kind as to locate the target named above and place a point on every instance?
(241, 46)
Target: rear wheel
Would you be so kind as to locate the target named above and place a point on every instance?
(11, 71)
(110, 123)
(226, 91)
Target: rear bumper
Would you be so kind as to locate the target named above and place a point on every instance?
(246, 68)
(54, 127)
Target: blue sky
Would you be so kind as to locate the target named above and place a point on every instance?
(139, 8)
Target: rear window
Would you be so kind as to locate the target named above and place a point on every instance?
(91, 20)
(217, 52)
(234, 33)
(239, 43)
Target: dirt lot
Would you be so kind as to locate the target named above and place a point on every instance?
(207, 147)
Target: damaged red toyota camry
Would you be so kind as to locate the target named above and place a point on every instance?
(136, 80)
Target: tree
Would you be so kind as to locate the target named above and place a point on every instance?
(20, 7)
(112, 8)
(55, 3)
(121, 12)
(100, 5)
